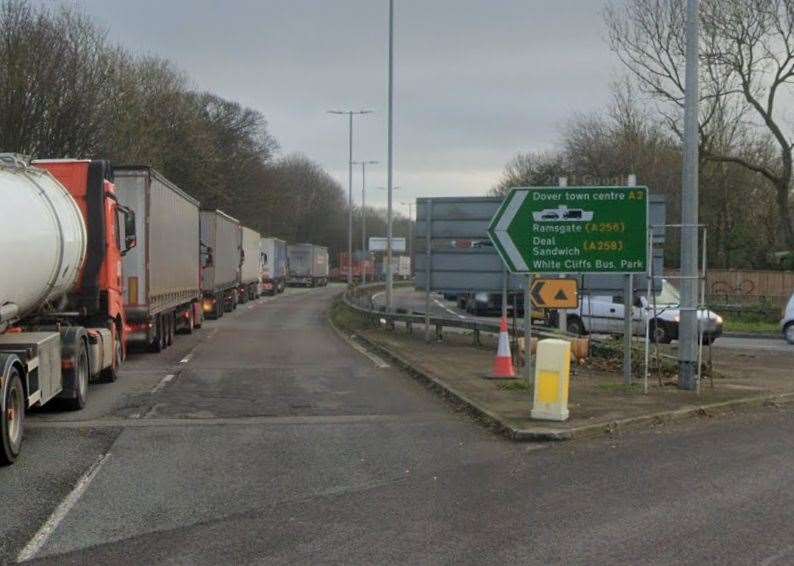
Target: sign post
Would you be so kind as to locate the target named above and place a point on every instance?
(529, 371)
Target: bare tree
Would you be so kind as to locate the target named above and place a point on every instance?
(747, 66)
(531, 169)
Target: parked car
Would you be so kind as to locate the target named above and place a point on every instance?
(600, 314)
(485, 304)
(490, 304)
(787, 324)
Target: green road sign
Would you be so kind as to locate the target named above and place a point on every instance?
(573, 230)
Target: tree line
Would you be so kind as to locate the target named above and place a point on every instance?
(746, 78)
(67, 90)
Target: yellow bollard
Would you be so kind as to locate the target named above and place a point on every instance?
(552, 377)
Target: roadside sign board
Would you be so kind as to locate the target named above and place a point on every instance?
(555, 293)
(378, 244)
(462, 258)
(573, 230)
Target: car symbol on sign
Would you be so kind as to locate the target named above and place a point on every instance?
(563, 214)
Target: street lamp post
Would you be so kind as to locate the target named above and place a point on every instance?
(688, 326)
(364, 211)
(350, 114)
(390, 152)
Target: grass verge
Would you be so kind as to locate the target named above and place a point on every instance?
(751, 326)
(346, 318)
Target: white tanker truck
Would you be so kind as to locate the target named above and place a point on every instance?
(61, 301)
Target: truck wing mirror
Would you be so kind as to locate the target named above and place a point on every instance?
(130, 237)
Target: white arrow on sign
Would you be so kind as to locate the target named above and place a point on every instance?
(498, 232)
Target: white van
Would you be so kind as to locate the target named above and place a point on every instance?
(604, 314)
(787, 324)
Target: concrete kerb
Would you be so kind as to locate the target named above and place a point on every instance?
(544, 434)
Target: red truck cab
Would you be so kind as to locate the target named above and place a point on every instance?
(111, 233)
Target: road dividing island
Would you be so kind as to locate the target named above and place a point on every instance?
(597, 398)
(503, 363)
(552, 377)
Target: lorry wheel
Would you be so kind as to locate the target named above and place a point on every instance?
(111, 374)
(80, 376)
(12, 419)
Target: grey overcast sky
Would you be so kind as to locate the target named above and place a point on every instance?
(476, 80)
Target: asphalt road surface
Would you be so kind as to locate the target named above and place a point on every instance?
(276, 442)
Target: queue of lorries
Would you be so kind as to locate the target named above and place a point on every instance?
(97, 259)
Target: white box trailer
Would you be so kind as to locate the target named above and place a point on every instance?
(308, 265)
(221, 248)
(163, 295)
(401, 267)
(274, 265)
(251, 269)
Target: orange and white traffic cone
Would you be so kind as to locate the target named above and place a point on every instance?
(503, 364)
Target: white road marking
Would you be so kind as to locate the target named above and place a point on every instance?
(163, 383)
(186, 359)
(376, 295)
(41, 537)
(449, 310)
(373, 358)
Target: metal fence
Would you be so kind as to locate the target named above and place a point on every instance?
(360, 299)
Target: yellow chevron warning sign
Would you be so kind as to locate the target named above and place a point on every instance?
(555, 293)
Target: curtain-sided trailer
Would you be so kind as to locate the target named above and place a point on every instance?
(308, 265)
(274, 265)
(221, 253)
(163, 295)
(251, 269)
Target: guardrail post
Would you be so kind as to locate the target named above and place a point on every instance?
(477, 337)
(439, 332)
